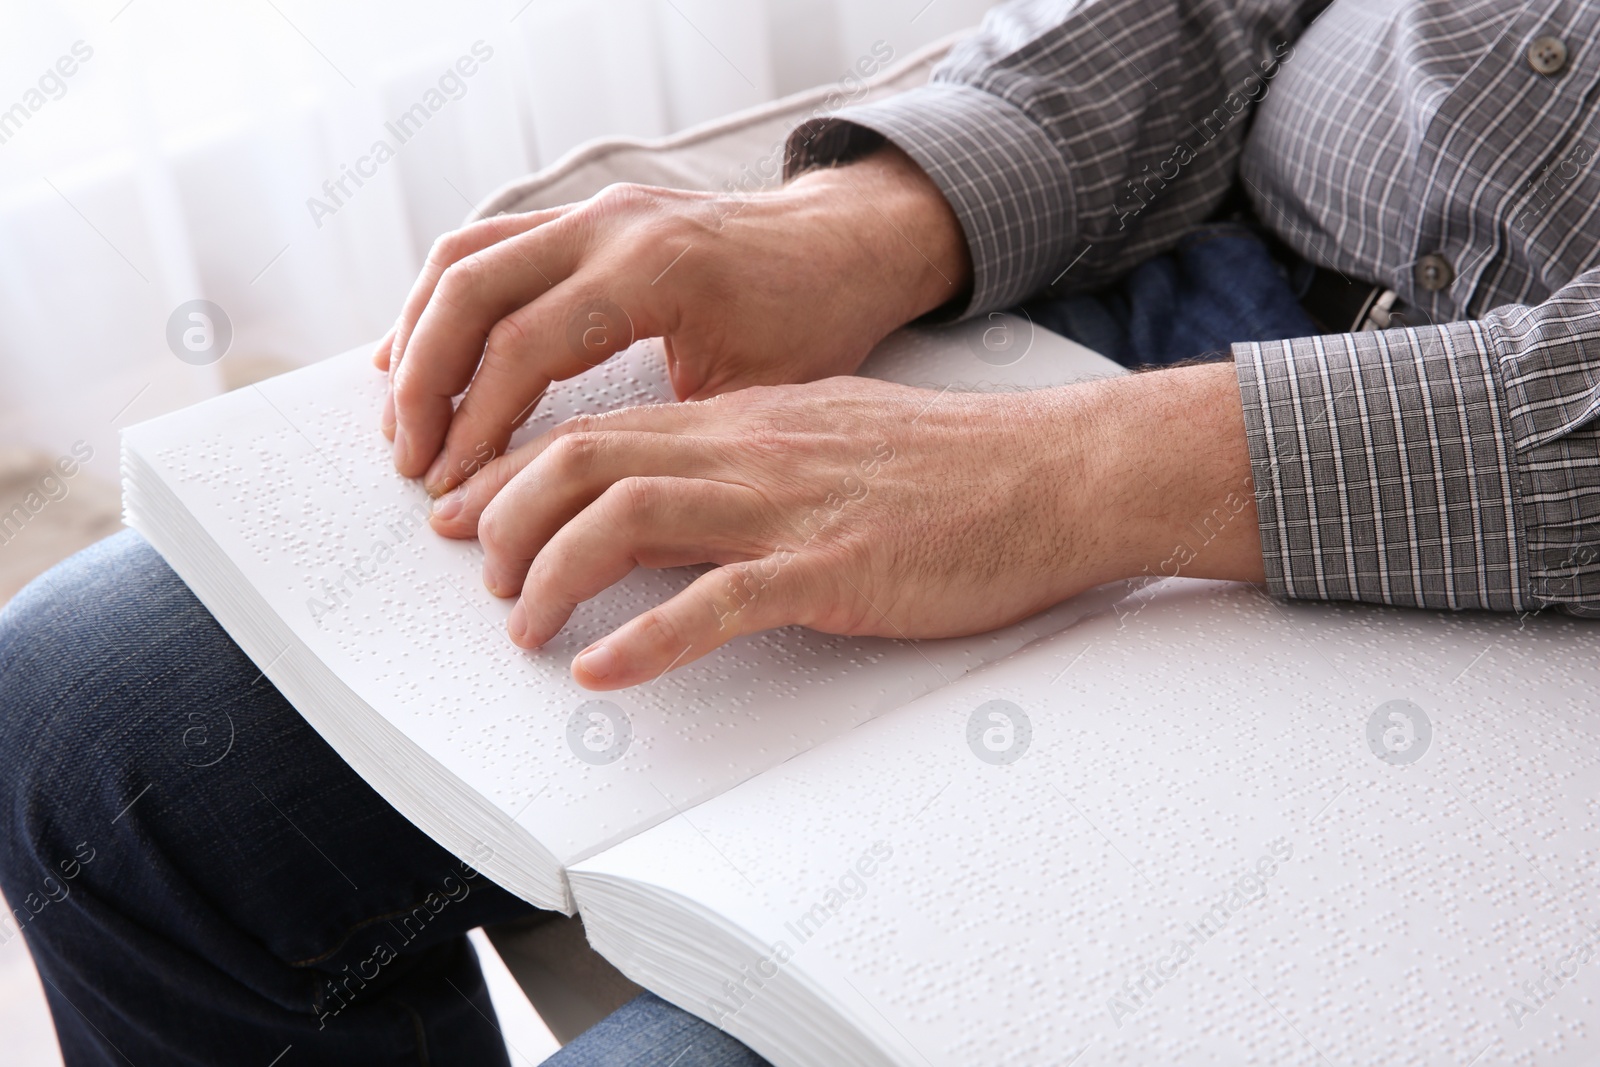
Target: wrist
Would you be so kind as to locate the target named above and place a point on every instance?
(888, 223)
(1164, 485)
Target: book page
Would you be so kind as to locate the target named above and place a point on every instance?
(1203, 827)
(294, 482)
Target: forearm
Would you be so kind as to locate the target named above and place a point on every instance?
(890, 227)
(1151, 475)
(1175, 441)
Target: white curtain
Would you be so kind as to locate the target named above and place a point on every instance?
(154, 152)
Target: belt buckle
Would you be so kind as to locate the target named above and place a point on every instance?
(1378, 314)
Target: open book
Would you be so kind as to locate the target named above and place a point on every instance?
(1166, 822)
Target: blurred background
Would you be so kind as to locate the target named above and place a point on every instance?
(156, 152)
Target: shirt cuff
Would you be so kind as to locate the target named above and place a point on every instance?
(1006, 180)
(1383, 468)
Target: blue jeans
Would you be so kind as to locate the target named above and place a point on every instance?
(202, 880)
(1220, 285)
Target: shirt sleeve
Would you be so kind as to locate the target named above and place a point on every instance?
(1453, 466)
(1076, 138)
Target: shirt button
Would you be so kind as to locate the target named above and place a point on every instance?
(1547, 55)
(1434, 272)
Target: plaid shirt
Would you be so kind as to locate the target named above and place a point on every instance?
(1439, 147)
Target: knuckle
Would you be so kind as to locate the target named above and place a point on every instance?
(508, 338)
(661, 630)
(648, 215)
(493, 530)
(544, 573)
(448, 247)
(765, 435)
(748, 578)
(577, 424)
(634, 500)
(769, 429)
(571, 455)
(439, 251)
(624, 196)
(459, 279)
(408, 390)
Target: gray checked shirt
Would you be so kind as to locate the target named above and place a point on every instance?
(1442, 148)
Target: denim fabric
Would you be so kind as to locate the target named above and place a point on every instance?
(1222, 284)
(203, 881)
(649, 1032)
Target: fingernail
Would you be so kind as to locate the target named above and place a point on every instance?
(491, 582)
(435, 473)
(449, 506)
(597, 662)
(517, 625)
(400, 455)
(386, 420)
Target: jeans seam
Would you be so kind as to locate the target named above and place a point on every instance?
(418, 1031)
(351, 932)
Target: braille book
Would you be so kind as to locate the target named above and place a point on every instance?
(1168, 822)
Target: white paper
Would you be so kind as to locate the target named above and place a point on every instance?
(293, 482)
(1031, 913)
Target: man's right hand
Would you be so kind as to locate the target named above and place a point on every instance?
(779, 287)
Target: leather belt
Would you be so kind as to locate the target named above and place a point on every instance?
(1339, 304)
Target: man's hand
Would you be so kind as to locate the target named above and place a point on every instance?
(853, 506)
(786, 286)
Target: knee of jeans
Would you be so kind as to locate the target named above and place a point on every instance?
(82, 653)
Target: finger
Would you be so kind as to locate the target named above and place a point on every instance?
(447, 250)
(458, 512)
(380, 359)
(557, 336)
(575, 472)
(423, 363)
(722, 604)
(380, 354)
(646, 522)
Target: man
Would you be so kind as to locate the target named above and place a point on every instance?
(1077, 154)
